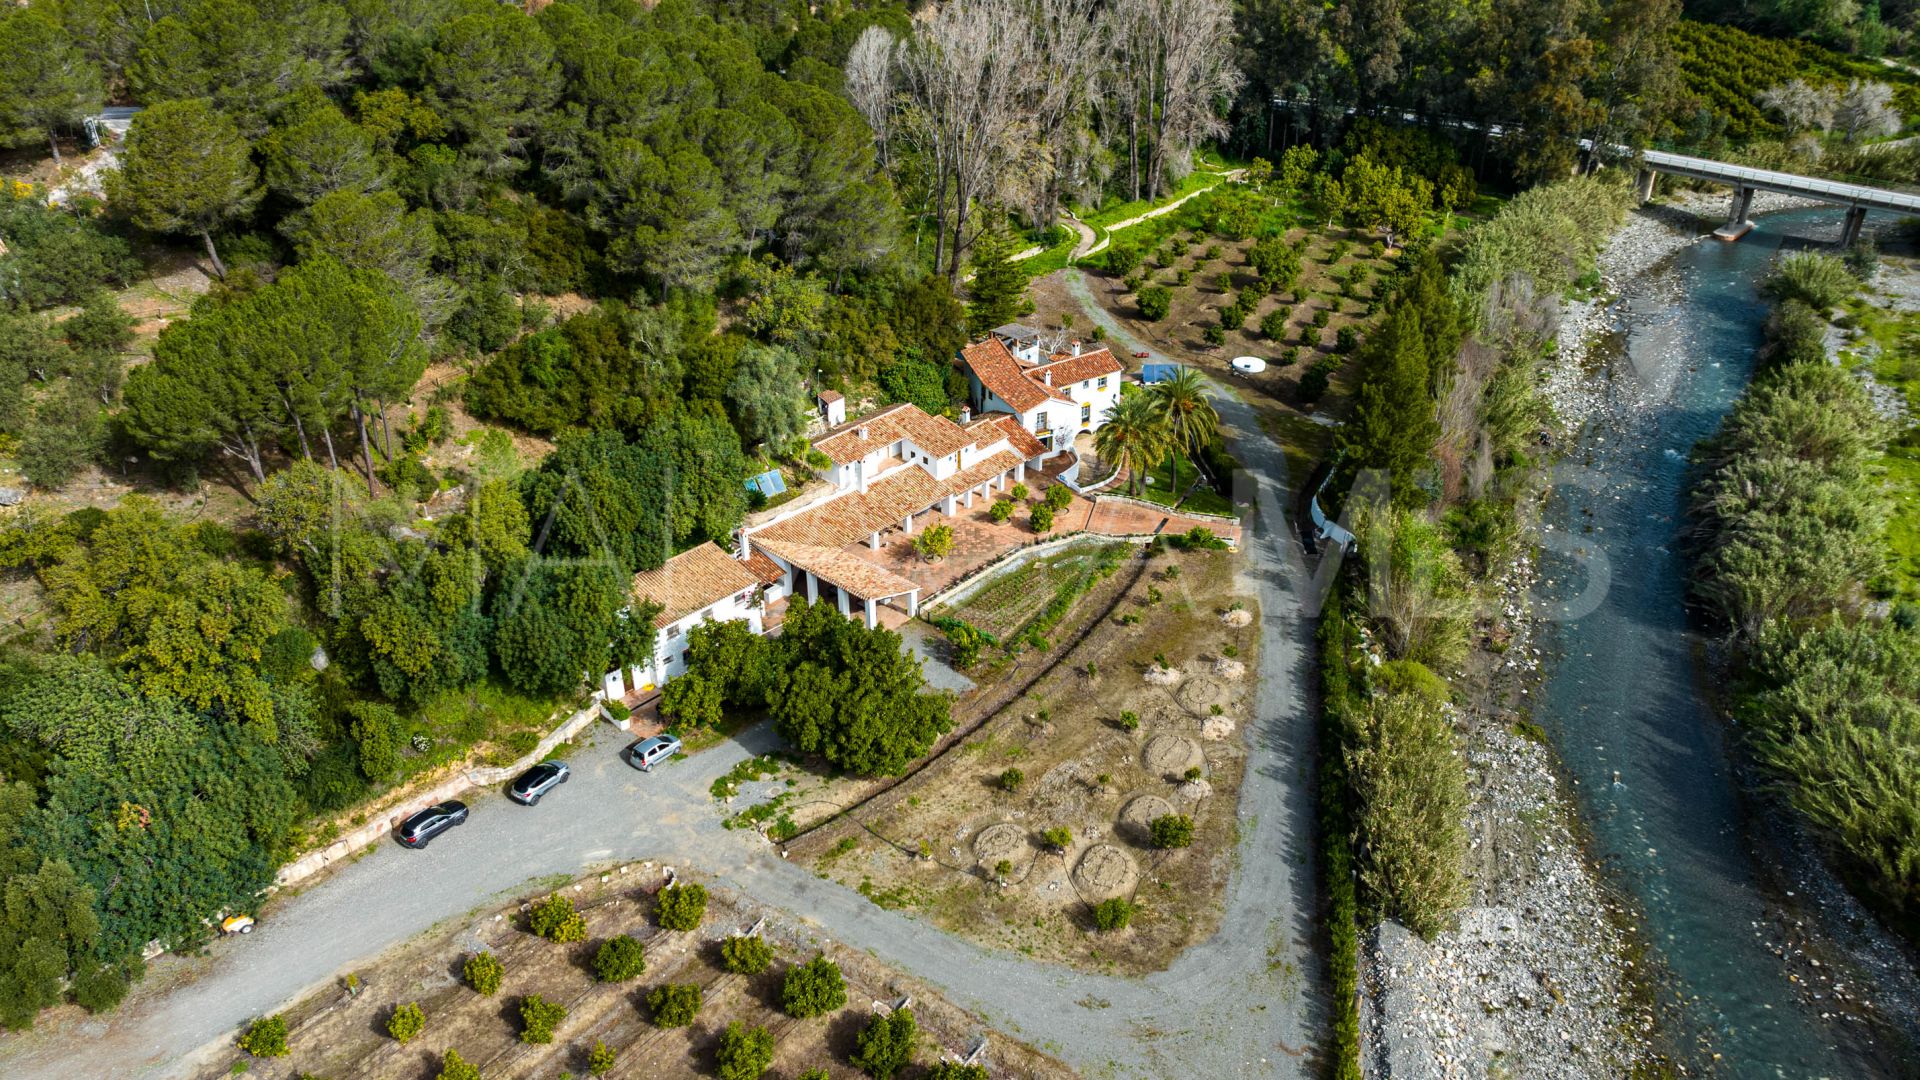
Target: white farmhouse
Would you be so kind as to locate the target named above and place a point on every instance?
(1055, 396)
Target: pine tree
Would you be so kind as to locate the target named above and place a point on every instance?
(186, 169)
(1394, 426)
(999, 288)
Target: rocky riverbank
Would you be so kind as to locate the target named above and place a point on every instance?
(1537, 979)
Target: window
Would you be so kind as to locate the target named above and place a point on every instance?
(1040, 422)
(686, 656)
(1102, 385)
(673, 631)
(1086, 413)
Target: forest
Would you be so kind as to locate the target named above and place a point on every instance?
(494, 307)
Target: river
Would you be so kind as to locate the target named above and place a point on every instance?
(1622, 699)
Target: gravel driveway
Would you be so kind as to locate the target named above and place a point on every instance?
(1244, 1004)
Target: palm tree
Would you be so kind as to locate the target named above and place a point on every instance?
(1191, 420)
(1131, 435)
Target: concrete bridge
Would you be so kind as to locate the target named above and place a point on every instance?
(1744, 180)
(1857, 198)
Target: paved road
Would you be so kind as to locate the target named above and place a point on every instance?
(1244, 1004)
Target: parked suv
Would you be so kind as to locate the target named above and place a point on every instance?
(647, 753)
(422, 827)
(527, 788)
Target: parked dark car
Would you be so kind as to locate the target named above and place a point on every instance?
(527, 788)
(418, 830)
(647, 753)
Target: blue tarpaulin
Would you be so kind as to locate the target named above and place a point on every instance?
(1153, 373)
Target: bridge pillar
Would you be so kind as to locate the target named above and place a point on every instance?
(1850, 231)
(1645, 184)
(1742, 202)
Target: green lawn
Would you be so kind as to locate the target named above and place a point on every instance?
(1161, 486)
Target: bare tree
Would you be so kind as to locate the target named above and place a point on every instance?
(1195, 39)
(869, 73)
(1866, 110)
(1172, 63)
(1801, 106)
(969, 72)
(1069, 43)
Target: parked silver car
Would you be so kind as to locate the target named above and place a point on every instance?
(647, 753)
(529, 786)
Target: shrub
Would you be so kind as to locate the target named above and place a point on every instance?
(1274, 323)
(934, 543)
(1172, 831)
(406, 1022)
(1313, 384)
(1132, 283)
(1224, 280)
(1012, 779)
(538, 1018)
(674, 1005)
(601, 1059)
(681, 907)
(1346, 339)
(1113, 914)
(484, 972)
(1409, 789)
(620, 958)
(1129, 720)
(1320, 318)
(950, 1070)
(1122, 259)
(1291, 356)
(1019, 492)
(1041, 518)
(745, 954)
(1182, 277)
(555, 920)
(816, 1074)
(1001, 511)
(967, 641)
(266, 1037)
(744, 1052)
(1003, 868)
(1215, 335)
(1155, 301)
(887, 1045)
(1059, 838)
(454, 1067)
(813, 989)
(1819, 281)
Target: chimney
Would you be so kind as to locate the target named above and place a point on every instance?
(1075, 346)
(966, 413)
(861, 431)
(746, 546)
(1047, 377)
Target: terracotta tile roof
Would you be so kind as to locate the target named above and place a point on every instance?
(1073, 369)
(763, 568)
(691, 580)
(1001, 374)
(936, 435)
(994, 426)
(830, 395)
(850, 572)
(859, 514)
(982, 471)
